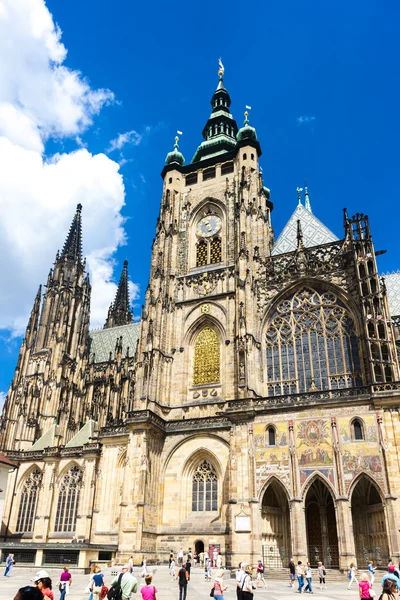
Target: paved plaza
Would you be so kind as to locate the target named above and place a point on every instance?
(198, 588)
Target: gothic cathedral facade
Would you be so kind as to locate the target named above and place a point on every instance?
(254, 407)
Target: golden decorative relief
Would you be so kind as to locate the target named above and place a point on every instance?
(206, 358)
(201, 254)
(205, 309)
(216, 251)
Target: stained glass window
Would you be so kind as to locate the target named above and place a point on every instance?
(201, 254)
(206, 357)
(68, 500)
(27, 507)
(311, 345)
(205, 488)
(215, 251)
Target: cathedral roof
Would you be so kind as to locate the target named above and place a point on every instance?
(315, 233)
(103, 341)
(46, 441)
(84, 435)
(392, 281)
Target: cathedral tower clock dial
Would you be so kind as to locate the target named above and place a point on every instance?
(208, 226)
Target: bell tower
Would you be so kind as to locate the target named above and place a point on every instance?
(200, 338)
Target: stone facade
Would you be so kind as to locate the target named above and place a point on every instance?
(255, 407)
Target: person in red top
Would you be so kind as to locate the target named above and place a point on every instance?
(364, 587)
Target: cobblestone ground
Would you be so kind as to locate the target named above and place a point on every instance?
(168, 590)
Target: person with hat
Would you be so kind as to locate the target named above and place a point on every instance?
(127, 582)
(43, 583)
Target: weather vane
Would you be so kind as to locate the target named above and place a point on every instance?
(299, 190)
(221, 69)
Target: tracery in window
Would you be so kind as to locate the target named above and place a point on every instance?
(28, 504)
(311, 345)
(206, 357)
(215, 251)
(201, 253)
(205, 488)
(68, 500)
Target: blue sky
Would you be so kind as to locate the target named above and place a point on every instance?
(322, 80)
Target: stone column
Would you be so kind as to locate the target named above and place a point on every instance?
(298, 529)
(344, 524)
(392, 514)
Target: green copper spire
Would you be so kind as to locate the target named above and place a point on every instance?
(220, 130)
(175, 156)
(246, 132)
(307, 202)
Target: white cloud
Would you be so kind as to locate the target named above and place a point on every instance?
(129, 137)
(41, 98)
(2, 394)
(304, 120)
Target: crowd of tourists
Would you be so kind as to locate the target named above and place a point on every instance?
(247, 581)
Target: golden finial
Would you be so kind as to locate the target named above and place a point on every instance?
(221, 69)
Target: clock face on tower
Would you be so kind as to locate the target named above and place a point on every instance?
(208, 226)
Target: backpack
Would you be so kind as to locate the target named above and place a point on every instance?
(115, 591)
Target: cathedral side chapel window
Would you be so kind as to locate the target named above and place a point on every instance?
(204, 488)
(27, 507)
(311, 345)
(206, 357)
(68, 500)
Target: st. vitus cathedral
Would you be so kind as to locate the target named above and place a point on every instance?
(254, 408)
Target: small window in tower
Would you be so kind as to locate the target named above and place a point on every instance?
(170, 180)
(227, 168)
(191, 179)
(271, 436)
(252, 157)
(245, 156)
(358, 433)
(209, 173)
(201, 254)
(215, 251)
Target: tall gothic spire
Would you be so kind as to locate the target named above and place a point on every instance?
(119, 312)
(307, 202)
(220, 130)
(72, 249)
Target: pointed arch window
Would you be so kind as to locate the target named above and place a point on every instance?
(358, 433)
(311, 345)
(28, 504)
(215, 251)
(68, 500)
(206, 357)
(205, 488)
(271, 437)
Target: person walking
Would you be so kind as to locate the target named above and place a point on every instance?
(149, 591)
(98, 582)
(308, 574)
(172, 570)
(247, 586)
(300, 576)
(43, 583)
(64, 583)
(126, 581)
(292, 572)
(130, 562)
(365, 587)
(371, 572)
(219, 586)
(321, 575)
(188, 566)
(144, 568)
(9, 565)
(195, 559)
(260, 574)
(180, 557)
(219, 560)
(183, 577)
(352, 575)
(239, 576)
(201, 558)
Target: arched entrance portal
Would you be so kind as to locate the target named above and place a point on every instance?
(369, 524)
(322, 539)
(276, 544)
(199, 546)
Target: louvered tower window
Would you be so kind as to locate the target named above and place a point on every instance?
(68, 501)
(311, 345)
(206, 357)
(215, 251)
(205, 488)
(29, 497)
(201, 253)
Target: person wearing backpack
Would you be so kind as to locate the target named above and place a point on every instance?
(123, 585)
(260, 574)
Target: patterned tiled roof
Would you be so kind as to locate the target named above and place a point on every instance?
(315, 233)
(392, 281)
(84, 435)
(103, 341)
